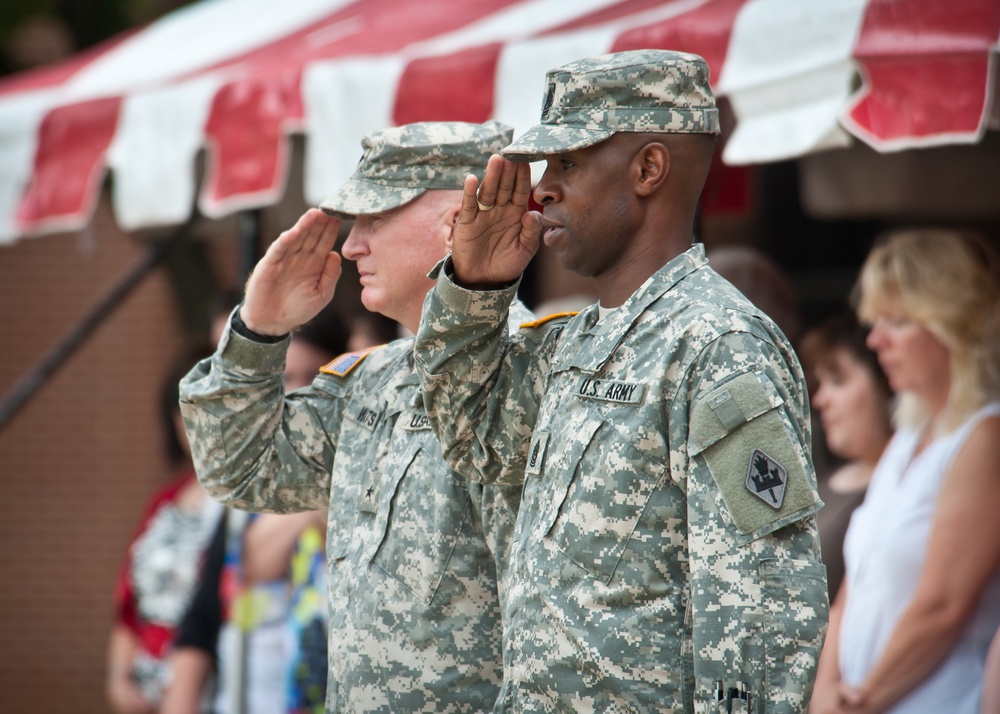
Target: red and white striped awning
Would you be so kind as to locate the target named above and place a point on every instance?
(235, 77)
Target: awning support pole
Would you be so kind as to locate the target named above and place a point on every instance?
(58, 353)
(249, 237)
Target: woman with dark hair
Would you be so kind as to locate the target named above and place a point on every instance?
(160, 569)
(853, 401)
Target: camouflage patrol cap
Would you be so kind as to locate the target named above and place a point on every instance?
(637, 91)
(403, 162)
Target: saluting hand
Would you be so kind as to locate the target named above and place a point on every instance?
(296, 277)
(493, 246)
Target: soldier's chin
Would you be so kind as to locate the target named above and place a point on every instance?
(369, 298)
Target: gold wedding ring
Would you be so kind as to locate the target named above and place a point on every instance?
(483, 207)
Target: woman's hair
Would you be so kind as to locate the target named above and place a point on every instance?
(842, 331)
(946, 281)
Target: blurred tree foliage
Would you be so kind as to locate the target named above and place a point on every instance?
(88, 22)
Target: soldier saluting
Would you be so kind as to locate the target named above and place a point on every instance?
(665, 556)
(415, 552)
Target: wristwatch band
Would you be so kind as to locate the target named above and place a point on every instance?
(240, 328)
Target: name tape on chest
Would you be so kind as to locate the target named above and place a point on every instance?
(367, 417)
(611, 391)
(415, 421)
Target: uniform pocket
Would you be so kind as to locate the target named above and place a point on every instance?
(795, 618)
(607, 484)
(423, 520)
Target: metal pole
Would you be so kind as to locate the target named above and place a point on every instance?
(58, 353)
(249, 234)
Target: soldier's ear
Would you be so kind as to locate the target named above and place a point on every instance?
(652, 164)
(449, 225)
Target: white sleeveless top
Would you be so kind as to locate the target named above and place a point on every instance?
(884, 552)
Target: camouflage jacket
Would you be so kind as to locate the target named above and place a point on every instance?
(411, 546)
(666, 547)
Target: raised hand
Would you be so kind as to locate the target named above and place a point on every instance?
(296, 277)
(493, 244)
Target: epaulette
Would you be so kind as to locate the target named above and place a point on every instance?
(342, 366)
(547, 318)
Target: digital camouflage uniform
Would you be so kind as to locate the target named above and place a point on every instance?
(665, 553)
(412, 547)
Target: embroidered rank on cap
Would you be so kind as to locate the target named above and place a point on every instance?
(547, 102)
(547, 318)
(341, 366)
(766, 479)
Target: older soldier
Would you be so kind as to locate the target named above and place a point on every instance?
(665, 555)
(413, 575)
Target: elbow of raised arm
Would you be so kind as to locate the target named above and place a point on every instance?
(218, 488)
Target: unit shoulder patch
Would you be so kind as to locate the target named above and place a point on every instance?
(342, 365)
(548, 318)
(766, 479)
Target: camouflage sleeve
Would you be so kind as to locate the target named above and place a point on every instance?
(518, 315)
(254, 448)
(498, 507)
(481, 387)
(758, 585)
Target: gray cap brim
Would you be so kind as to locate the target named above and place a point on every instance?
(359, 197)
(544, 140)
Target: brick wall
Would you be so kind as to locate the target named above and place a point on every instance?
(80, 460)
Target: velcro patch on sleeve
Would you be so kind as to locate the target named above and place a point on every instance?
(759, 468)
(342, 366)
(548, 318)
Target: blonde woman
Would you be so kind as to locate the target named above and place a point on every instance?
(911, 625)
